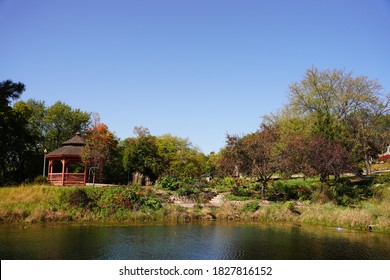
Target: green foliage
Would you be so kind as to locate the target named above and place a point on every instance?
(141, 155)
(188, 187)
(182, 185)
(79, 198)
(323, 194)
(283, 191)
(223, 184)
(151, 203)
(346, 193)
(117, 201)
(169, 183)
(62, 122)
(243, 191)
(188, 191)
(180, 158)
(252, 206)
(382, 179)
(41, 180)
(17, 143)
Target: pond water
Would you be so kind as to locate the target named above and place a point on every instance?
(211, 241)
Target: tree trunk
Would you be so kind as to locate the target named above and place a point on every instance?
(263, 187)
(367, 162)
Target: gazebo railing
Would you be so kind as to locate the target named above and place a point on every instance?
(69, 178)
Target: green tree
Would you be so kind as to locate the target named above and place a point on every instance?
(343, 109)
(36, 121)
(62, 122)
(141, 154)
(15, 139)
(179, 157)
(155, 156)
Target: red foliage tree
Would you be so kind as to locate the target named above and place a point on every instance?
(295, 157)
(99, 145)
(256, 155)
(328, 158)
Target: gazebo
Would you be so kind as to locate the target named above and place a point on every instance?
(65, 165)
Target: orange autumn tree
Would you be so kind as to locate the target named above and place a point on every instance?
(100, 145)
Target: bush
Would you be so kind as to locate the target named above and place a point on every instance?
(223, 185)
(187, 191)
(281, 191)
(169, 182)
(382, 179)
(174, 183)
(151, 203)
(241, 191)
(252, 206)
(322, 194)
(346, 193)
(130, 198)
(41, 180)
(79, 198)
(200, 184)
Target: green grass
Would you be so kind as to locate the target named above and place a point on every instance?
(300, 181)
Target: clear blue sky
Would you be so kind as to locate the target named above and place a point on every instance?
(197, 69)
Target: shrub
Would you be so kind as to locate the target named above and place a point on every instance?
(79, 198)
(382, 179)
(304, 193)
(200, 184)
(174, 183)
(241, 191)
(291, 207)
(133, 198)
(282, 192)
(346, 193)
(151, 203)
(188, 191)
(252, 206)
(322, 194)
(169, 182)
(223, 185)
(41, 180)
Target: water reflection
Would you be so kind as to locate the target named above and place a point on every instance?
(190, 241)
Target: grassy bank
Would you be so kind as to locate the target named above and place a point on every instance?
(37, 204)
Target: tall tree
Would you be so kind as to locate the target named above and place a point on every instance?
(179, 157)
(36, 122)
(344, 109)
(62, 122)
(15, 139)
(328, 158)
(100, 148)
(295, 156)
(141, 154)
(256, 155)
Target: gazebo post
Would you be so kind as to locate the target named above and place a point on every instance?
(63, 171)
(85, 173)
(49, 171)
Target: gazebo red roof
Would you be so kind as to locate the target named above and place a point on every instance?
(71, 148)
